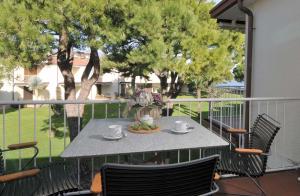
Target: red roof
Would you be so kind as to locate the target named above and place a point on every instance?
(79, 59)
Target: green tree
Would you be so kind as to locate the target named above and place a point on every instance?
(176, 40)
(33, 29)
(238, 73)
(132, 54)
(152, 43)
(211, 52)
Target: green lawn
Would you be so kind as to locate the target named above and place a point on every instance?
(55, 138)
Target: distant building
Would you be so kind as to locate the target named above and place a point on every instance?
(51, 86)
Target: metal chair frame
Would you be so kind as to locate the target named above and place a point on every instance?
(243, 159)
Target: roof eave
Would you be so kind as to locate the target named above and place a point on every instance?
(222, 7)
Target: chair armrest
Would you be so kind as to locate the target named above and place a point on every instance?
(217, 176)
(237, 130)
(248, 151)
(96, 187)
(21, 145)
(19, 175)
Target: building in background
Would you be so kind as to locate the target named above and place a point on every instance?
(50, 84)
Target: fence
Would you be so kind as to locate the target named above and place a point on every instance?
(37, 122)
(232, 113)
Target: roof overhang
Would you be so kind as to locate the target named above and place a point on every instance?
(229, 15)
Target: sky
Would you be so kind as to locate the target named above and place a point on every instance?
(217, 1)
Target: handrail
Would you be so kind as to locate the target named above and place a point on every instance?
(235, 99)
(25, 102)
(126, 100)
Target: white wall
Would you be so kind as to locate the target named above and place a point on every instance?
(276, 66)
(5, 90)
(110, 83)
(49, 74)
(6, 86)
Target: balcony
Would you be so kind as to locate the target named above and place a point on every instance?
(48, 127)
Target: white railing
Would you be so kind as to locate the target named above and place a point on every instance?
(285, 151)
(32, 108)
(231, 113)
(228, 91)
(286, 146)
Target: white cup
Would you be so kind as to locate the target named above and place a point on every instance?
(181, 126)
(115, 131)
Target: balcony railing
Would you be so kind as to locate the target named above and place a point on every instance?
(230, 114)
(285, 149)
(39, 123)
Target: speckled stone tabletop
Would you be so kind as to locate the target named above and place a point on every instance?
(90, 141)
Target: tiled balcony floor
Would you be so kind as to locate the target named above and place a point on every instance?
(275, 184)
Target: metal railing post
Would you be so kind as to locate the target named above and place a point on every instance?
(49, 133)
(65, 126)
(4, 134)
(19, 133)
(78, 130)
(93, 110)
(34, 129)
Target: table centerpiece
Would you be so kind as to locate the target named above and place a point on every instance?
(145, 107)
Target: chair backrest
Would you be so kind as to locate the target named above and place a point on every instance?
(189, 178)
(263, 132)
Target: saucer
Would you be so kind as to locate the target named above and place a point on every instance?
(109, 137)
(180, 132)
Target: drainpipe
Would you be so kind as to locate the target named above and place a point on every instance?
(249, 56)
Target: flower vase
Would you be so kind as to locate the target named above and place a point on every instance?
(153, 111)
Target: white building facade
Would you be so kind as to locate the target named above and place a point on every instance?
(17, 86)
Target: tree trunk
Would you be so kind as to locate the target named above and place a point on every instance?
(163, 84)
(198, 92)
(175, 86)
(65, 63)
(133, 83)
(163, 78)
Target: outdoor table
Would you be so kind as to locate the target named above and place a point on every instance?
(90, 142)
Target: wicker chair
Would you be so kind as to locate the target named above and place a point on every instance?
(53, 179)
(252, 160)
(190, 179)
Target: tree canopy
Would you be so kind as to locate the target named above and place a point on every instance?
(173, 39)
(31, 30)
(177, 40)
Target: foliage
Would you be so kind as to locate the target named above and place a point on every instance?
(57, 109)
(238, 73)
(33, 29)
(173, 39)
(143, 126)
(212, 52)
(177, 40)
(143, 98)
